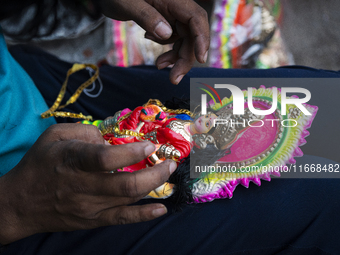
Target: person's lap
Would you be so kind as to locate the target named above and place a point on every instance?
(297, 215)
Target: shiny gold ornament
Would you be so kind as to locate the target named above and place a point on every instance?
(56, 106)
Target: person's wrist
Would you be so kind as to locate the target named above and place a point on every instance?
(10, 228)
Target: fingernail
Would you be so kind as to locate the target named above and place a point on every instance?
(163, 30)
(179, 78)
(205, 57)
(107, 143)
(163, 65)
(159, 211)
(173, 166)
(150, 148)
(150, 37)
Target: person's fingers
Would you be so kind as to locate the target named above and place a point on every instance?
(169, 57)
(186, 57)
(150, 19)
(130, 214)
(171, 40)
(104, 158)
(166, 59)
(183, 64)
(132, 185)
(192, 15)
(143, 13)
(75, 131)
(196, 18)
(87, 202)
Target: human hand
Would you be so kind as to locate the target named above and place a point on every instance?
(182, 22)
(63, 184)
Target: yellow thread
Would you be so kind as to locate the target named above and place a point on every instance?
(56, 106)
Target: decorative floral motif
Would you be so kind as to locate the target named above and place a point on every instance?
(260, 152)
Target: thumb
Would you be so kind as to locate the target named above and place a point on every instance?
(151, 20)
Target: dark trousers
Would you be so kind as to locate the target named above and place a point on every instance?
(284, 216)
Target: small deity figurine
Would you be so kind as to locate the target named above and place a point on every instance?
(170, 130)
